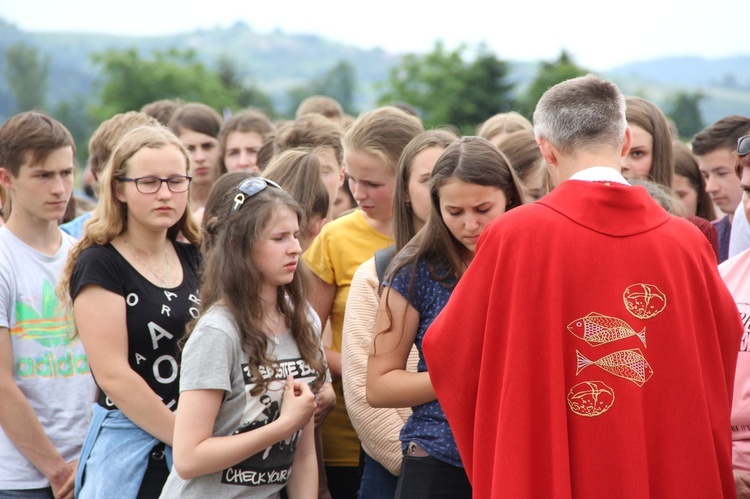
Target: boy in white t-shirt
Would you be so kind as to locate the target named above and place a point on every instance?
(46, 386)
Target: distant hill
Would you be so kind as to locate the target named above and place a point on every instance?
(732, 72)
(275, 61)
(278, 61)
(725, 83)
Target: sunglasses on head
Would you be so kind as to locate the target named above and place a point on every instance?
(743, 145)
(249, 188)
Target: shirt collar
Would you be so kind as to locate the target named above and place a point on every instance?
(599, 174)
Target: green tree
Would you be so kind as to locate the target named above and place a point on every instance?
(26, 72)
(73, 114)
(244, 94)
(549, 75)
(448, 89)
(486, 90)
(684, 110)
(130, 80)
(339, 82)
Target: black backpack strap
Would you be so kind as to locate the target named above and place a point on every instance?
(383, 258)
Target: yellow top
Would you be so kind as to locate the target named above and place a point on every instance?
(334, 256)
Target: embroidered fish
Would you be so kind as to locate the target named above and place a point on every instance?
(628, 364)
(597, 329)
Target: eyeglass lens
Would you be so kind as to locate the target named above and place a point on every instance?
(150, 185)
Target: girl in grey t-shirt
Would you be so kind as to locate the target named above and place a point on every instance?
(244, 426)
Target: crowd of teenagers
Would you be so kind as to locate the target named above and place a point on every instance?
(334, 307)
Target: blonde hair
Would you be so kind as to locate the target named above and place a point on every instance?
(110, 216)
(383, 133)
(310, 130)
(323, 105)
(106, 137)
(298, 172)
(503, 123)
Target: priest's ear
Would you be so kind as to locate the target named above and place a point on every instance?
(548, 150)
(551, 158)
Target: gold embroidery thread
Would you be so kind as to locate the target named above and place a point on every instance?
(644, 301)
(597, 329)
(591, 398)
(627, 364)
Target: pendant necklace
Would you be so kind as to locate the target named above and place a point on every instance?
(273, 329)
(135, 254)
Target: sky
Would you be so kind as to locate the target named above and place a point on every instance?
(600, 35)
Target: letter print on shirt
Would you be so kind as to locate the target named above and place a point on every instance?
(273, 464)
(43, 321)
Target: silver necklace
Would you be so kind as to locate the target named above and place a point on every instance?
(135, 254)
(273, 329)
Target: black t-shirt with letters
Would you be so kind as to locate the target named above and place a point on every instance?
(155, 316)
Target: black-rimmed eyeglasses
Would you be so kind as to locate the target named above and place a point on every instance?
(249, 188)
(151, 184)
(743, 145)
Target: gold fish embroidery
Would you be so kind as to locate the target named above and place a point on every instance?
(628, 364)
(590, 398)
(644, 300)
(597, 329)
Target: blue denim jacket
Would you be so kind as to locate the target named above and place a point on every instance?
(75, 226)
(114, 456)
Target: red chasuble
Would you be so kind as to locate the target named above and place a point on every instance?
(589, 351)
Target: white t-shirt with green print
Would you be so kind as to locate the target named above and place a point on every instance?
(49, 365)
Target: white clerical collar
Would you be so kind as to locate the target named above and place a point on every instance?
(599, 174)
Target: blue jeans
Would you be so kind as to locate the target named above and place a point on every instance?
(429, 478)
(45, 493)
(377, 482)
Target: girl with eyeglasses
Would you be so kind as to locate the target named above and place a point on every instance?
(253, 361)
(134, 288)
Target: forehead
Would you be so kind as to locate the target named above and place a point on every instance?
(153, 161)
(459, 193)
(363, 165)
(60, 159)
(641, 136)
(425, 160)
(745, 179)
(282, 219)
(248, 139)
(191, 138)
(716, 159)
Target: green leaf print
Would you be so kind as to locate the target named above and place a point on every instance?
(53, 327)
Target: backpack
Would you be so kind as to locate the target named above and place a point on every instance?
(383, 258)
